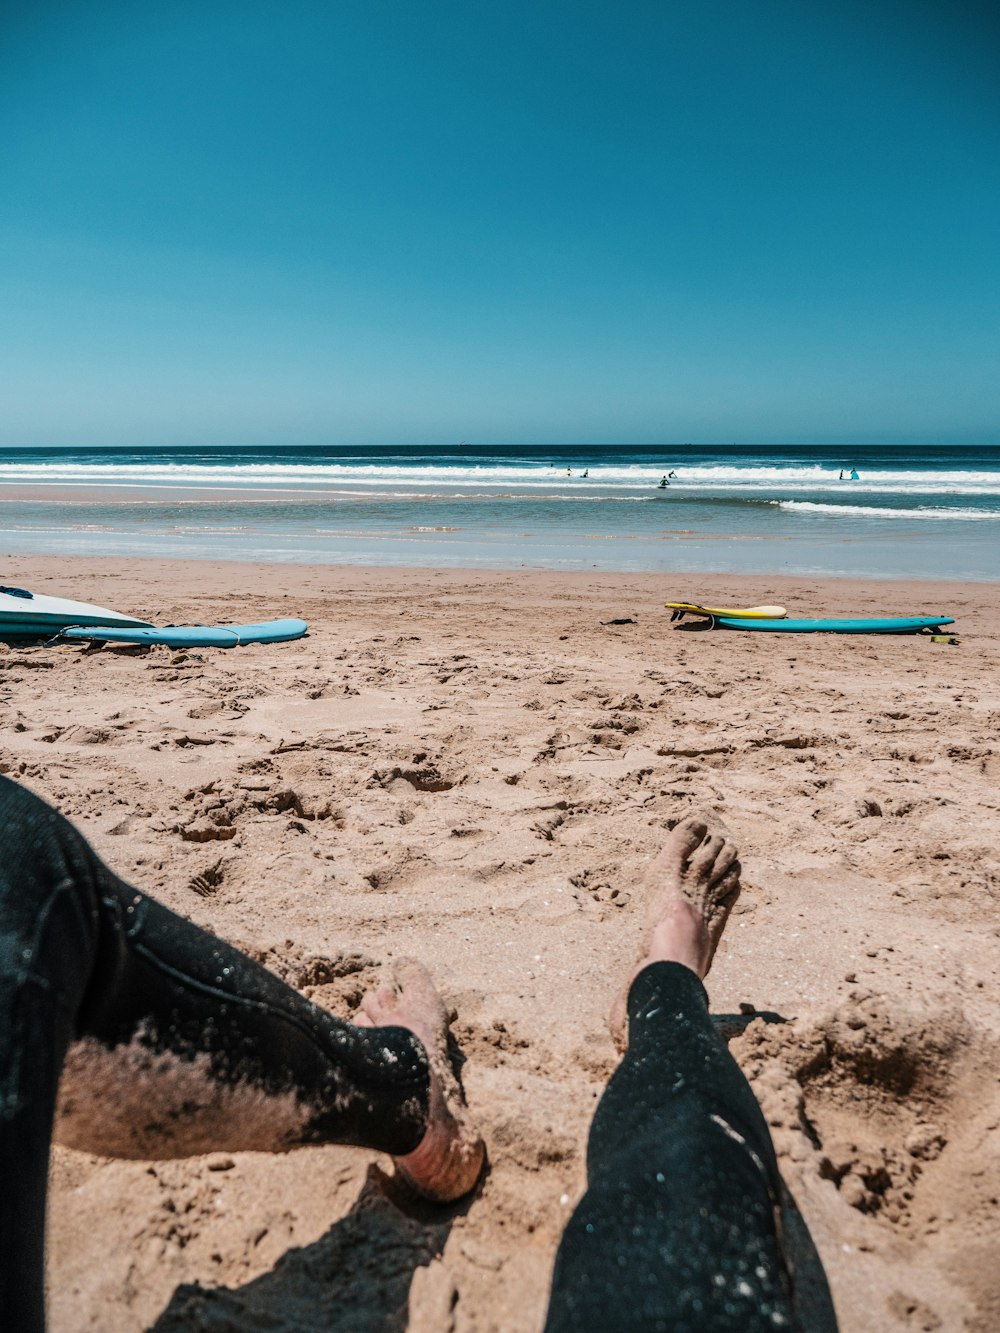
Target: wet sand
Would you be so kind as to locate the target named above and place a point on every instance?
(472, 768)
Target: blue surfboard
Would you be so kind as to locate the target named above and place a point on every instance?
(885, 625)
(192, 636)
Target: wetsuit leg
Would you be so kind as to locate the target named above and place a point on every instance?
(677, 1230)
(169, 1041)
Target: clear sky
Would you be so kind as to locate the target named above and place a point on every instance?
(421, 221)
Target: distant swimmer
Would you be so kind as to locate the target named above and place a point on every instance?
(663, 483)
(671, 474)
(841, 477)
(569, 472)
(854, 474)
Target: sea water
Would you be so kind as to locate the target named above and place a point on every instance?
(917, 512)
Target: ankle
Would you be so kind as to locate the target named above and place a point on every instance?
(680, 937)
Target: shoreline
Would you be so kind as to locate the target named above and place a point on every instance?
(70, 564)
(484, 767)
(659, 586)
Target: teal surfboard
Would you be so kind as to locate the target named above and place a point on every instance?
(192, 636)
(885, 625)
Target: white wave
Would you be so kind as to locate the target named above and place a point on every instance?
(879, 511)
(392, 477)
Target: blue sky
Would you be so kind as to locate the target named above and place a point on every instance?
(525, 221)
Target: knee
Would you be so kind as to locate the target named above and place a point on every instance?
(47, 877)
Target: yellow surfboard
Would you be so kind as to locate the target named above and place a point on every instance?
(747, 613)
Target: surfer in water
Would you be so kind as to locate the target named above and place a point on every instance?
(664, 483)
(132, 1032)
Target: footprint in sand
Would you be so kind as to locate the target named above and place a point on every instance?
(209, 881)
(419, 776)
(599, 889)
(77, 735)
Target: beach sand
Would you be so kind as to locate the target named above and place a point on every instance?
(470, 767)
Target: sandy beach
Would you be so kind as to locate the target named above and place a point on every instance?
(474, 768)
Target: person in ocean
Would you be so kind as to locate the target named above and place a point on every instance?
(671, 475)
(664, 482)
(131, 1032)
(854, 474)
(585, 473)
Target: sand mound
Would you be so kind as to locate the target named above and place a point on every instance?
(891, 1112)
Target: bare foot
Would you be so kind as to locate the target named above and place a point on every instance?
(695, 880)
(447, 1161)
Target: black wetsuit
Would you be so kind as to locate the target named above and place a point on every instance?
(89, 965)
(677, 1230)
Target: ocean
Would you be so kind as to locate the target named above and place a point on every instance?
(911, 512)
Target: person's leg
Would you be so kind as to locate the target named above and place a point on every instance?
(677, 1230)
(170, 1042)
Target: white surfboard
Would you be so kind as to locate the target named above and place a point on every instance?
(24, 613)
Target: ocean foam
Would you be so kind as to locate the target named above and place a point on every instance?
(880, 511)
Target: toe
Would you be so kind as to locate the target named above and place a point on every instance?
(414, 983)
(379, 1005)
(727, 889)
(704, 858)
(410, 974)
(724, 862)
(684, 839)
